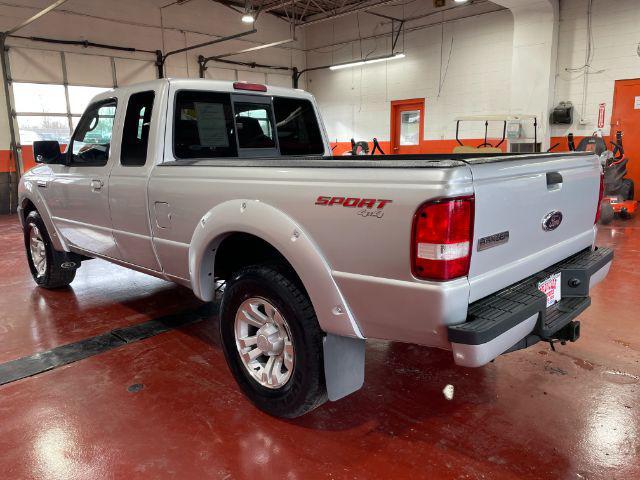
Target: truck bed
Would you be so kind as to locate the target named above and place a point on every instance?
(427, 160)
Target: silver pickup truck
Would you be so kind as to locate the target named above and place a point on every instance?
(207, 183)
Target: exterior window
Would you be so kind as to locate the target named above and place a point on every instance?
(203, 125)
(410, 127)
(41, 112)
(135, 134)
(255, 125)
(43, 127)
(92, 139)
(297, 126)
(80, 97)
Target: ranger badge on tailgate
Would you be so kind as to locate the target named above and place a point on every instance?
(494, 240)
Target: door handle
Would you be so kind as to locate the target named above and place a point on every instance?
(163, 214)
(96, 185)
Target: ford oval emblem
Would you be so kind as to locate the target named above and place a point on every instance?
(551, 221)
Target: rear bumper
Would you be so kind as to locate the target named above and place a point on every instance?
(517, 316)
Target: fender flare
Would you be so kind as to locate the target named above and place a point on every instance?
(29, 192)
(285, 235)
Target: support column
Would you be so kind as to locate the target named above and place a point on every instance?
(533, 67)
(8, 175)
(9, 158)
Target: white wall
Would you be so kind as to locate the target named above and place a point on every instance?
(616, 37)
(533, 64)
(461, 67)
(356, 102)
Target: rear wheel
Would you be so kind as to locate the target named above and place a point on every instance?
(49, 268)
(272, 341)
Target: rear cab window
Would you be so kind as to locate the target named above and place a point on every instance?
(254, 123)
(255, 128)
(227, 125)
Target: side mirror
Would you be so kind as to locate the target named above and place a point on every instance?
(48, 151)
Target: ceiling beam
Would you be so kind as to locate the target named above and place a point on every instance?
(41, 13)
(346, 10)
(252, 49)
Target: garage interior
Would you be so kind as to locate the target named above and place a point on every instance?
(122, 375)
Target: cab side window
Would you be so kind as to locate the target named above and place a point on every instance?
(203, 125)
(135, 134)
(92, 139)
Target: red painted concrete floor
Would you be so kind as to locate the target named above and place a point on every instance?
(532, 414)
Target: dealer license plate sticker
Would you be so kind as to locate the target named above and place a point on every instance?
(551, 287)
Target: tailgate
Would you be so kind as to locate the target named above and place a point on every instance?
(514, 198)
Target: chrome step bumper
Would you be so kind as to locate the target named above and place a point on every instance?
(517, 316)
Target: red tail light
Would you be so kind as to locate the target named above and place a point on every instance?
(253, 87)
(600, 195)
(442, 238)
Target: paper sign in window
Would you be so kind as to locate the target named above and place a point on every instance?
(212, 124)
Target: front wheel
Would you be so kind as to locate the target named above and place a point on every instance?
(272, 341)
(49, 267)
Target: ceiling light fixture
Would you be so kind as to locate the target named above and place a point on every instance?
(358, 63)
(248, 15)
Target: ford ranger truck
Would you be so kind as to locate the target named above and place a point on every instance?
(206, 183)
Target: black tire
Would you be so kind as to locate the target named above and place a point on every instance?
(606, 213)
(305, 390)
(54, 275)
(627, 189)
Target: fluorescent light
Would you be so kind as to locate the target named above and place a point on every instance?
(460, 1)
(346, 65)
(376, 60)
(247, 18)
(366, 62)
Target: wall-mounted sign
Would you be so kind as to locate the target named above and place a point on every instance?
(636, 104)
(601, 115)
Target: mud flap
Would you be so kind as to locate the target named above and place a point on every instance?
(343, 365)
(67, 260)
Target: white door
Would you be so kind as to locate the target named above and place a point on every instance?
(79, 195)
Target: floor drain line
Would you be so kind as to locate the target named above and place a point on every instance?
(65, 354)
